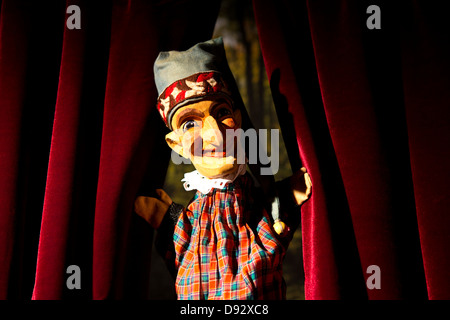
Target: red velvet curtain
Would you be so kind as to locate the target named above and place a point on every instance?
(368, 111)
(80, 137)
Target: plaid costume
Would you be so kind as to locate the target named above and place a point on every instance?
(224, 246)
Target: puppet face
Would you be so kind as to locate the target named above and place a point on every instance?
(199, 133)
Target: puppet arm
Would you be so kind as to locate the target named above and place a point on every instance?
(162, 214)
(153, 209)
(293, 192)
(301, 186)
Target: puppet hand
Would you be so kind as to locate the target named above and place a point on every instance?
(301, 186)
(153, 209)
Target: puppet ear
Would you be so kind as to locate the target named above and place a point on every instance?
(174, 142)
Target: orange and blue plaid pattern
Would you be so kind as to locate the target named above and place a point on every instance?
(225, 247)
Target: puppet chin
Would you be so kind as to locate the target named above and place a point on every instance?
(214, 168)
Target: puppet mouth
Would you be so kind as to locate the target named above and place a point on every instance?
(214, 154)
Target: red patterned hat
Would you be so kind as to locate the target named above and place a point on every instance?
(183, 77)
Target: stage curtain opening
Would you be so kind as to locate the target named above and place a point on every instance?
(366, 111)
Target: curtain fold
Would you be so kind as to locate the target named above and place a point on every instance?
(367, 112)
(80, 138)
(331, 261)
(12, 68)
(426, 79)
(370, 112)
(28, 84)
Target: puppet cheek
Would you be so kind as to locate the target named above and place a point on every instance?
(192, 144)
(194, 149)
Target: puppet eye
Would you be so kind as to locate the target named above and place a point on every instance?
(189, 124)
(223, 112)
(225, 116)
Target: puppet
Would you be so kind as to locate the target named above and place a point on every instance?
(230, 241)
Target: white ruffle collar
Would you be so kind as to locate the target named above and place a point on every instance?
(196, 181)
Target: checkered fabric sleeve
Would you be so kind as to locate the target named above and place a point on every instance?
(164, 244)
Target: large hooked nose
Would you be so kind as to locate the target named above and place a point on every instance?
(211, 133)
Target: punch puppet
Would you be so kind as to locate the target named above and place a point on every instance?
(230, 241)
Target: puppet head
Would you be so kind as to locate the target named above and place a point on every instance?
(196, 103)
